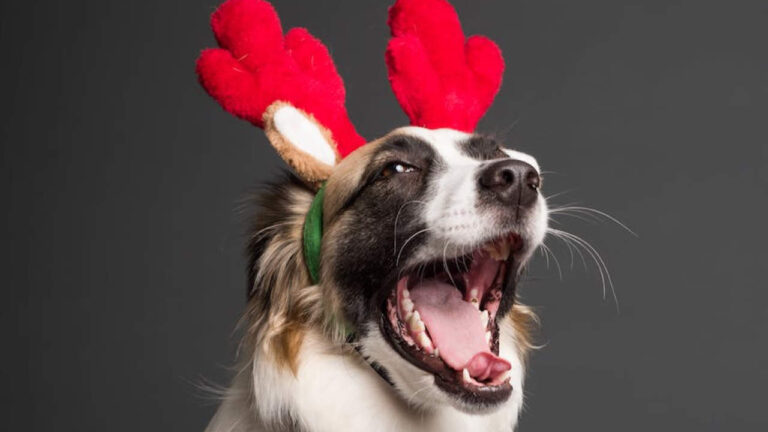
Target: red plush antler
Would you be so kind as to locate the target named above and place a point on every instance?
(256, 66)
(439, 78)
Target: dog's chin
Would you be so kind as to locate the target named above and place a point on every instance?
(437, 335)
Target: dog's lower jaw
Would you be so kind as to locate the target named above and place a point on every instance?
(335, 390)
(418, 387)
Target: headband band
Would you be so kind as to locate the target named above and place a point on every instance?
(313, 235)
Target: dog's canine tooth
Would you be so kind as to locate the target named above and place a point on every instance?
(415, 324)
(436, 352)
(492, 250)
(484, 318)
(505, 376)
(465, 375)
(406, 294)
(473, 298)
(504, 247)
(488, 336)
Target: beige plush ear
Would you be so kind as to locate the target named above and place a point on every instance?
(301, 141)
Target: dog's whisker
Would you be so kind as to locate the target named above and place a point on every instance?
(555, 195)
(547, 251)
(605, 275)
(568, 244)
(397, 261)
(445, 264)
(590, 211)
(397, 217)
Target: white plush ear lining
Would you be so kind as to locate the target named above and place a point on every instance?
(304, 134)
(301, 141)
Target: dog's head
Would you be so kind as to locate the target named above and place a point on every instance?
(427, 234)
(426, 230)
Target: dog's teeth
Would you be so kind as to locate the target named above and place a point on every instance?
(473, 293)
(492, 250)
(424, 341)
(488, 336)
(465, 375)
(505, 376)
(473, 298)
(406, 294)
(414, 323)
(484, 318)
(407, 305)
(436, 352)
(504, 250)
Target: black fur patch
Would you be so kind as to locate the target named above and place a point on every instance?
(482, 147)
(272, 208)
(366, 265)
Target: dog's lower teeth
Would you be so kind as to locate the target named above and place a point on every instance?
(505, 376)
(406, 294)
(424, 341)
(484, 318)
(465, 375)
(436, 352)
(415, 324)
(488, 336)
(407, 305)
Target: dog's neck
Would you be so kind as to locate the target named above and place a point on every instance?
(335, 389)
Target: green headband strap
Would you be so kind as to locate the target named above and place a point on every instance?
(313, 240)
(313, 235)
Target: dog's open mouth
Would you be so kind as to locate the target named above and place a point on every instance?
(441, 317)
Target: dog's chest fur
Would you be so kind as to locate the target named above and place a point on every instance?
(332, 391)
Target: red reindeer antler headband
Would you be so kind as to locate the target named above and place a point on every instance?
(289, 86)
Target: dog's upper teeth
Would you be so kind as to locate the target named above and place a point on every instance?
(484, 318)
(415, 324)
(473, 298)
(488, 336)
(504, 247)
(498, 250)
(406, 294)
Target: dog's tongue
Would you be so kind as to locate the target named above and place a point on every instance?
(455, 328)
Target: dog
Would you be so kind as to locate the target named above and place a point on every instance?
(383, 274)
(435, 223)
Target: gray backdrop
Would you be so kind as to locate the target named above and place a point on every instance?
(123, 275)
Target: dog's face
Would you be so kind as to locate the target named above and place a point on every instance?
(427, 232)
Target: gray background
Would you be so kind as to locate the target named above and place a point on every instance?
(122, 269)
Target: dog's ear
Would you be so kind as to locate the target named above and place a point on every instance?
(301, 141)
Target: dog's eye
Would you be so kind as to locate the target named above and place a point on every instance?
(396, 168)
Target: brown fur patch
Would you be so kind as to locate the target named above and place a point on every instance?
(525, 323)
(346, 178)
(306, 166)
(283, 301)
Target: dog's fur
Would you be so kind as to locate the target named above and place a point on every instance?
(298, 370)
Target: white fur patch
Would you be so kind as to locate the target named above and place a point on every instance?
(455, 222)
(336, 391)
(298, 130)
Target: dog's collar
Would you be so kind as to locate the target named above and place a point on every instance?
(313, 235)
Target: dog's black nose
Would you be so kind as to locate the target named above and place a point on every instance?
(511, 182)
